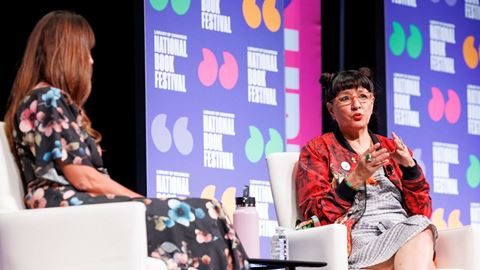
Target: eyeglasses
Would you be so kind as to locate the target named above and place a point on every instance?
(346, 99)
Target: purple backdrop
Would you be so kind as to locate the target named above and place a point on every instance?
(433, 87)
(214, 99)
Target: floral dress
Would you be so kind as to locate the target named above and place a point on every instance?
(187, 233)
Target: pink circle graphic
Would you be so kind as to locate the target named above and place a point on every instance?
(436, 105)
(208, 68)
(228, 71)
(452, 107)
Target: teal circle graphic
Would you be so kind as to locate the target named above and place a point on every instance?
(415, 42)
(473, 172)
(158, 5)
(397, 39)
(180, 6)
(275, 144)
(254, 145)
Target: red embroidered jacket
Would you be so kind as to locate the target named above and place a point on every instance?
(328, 159)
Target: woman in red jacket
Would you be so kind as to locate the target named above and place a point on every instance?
(366, 181)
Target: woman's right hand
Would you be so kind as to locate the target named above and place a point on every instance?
(370, 161)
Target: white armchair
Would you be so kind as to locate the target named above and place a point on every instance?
(455, 247)
(94, 237)
(325, 243)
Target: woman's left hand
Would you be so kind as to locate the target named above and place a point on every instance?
(401, 154)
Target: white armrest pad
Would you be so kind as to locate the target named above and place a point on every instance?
(456, 248)
(9, 204)
(101, 236)
(155, 264)
(459, 247)
(325, 243)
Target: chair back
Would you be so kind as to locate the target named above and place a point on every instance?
(11, 187)
(282, 168)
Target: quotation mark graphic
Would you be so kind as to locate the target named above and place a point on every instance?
(179, 6)
(470, 54)
(162, 137)
(453, 219)
(254, 147)
(253, 15)
(228, 198)
(398, 40)
(437, 106)
(208, 69)
(473, 172)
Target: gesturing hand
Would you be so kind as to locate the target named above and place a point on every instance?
(372, 159)
(401, 154)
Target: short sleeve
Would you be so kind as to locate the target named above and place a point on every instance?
(53, 131)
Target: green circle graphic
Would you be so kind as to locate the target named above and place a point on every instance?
(180, 6)
(414, 42)
(473, 172)
(397, 39)
(158, 5)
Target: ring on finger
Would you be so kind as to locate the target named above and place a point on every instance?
(368, 158)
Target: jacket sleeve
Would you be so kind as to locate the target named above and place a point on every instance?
(315, 194)
(416, 191)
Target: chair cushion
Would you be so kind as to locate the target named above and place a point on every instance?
(155, 264)
(282, 169)
(11, 187)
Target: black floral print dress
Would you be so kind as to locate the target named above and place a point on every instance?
(187, 233)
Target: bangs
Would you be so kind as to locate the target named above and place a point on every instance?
(351, 79)
(353, 83)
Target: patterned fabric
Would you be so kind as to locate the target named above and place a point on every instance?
(49, 127)
(385, 226)
(186, 233)
(327, 160)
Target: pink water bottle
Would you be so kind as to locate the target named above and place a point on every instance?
(245, 222)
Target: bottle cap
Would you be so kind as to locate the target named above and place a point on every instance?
(246, 200)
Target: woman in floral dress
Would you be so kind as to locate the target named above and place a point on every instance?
(61, 161)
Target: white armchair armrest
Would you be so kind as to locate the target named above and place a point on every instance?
(325, 243)
(456, 248)
(101, 236)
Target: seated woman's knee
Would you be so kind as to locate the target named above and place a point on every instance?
(425, 237)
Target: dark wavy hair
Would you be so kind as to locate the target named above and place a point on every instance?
(334, 83)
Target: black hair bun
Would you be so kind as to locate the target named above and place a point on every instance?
(326, 79)
(366, 71)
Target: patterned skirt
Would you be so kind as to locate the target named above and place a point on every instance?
(372, 247)
(186, 233)
(384, 226)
